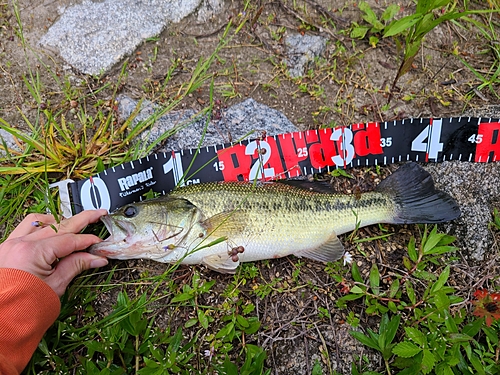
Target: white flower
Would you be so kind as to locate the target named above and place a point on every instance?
(347, 258)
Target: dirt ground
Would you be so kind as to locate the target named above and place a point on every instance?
(349, 83)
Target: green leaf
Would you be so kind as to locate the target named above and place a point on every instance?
(397, 27)
(422, 27)
(473, 328)
(242, 321)
(424, 275)
(407, 263)
(416, 336)
(374, 279)
(432, 240)
(390, 12)
(182, 297)
(442, 250)
(365, 340)
(439, 4)
(449, 322)
(406, 349)
(370, 15)
(317, 370)
(393, 289)
(203, 319)
(410, 292)
(441, 300)
(390, 328)
(359, 32)
(190, 323)
(351, 297)
(442, 279)
(476, 363)
(446, 17)
(412, 253)
(490, 333)
(423, 6)
(428, 361)
(357, 290)
(459, 337)
(356, 275)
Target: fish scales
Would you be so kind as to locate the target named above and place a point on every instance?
(223, 224)
(342, 212)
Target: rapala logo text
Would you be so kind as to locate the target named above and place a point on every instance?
(134, 179)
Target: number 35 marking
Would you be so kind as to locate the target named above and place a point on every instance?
(386, 142)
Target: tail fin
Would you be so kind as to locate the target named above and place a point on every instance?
(416, 198)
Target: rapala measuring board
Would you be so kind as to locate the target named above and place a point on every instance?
(286, 156)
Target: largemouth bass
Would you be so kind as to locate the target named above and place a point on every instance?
(222, 224)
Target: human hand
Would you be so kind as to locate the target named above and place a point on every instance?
(44, 248)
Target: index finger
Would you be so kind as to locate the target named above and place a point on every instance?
(27, 225)
(72, 225)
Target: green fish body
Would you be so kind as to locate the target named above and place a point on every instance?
(223, 224)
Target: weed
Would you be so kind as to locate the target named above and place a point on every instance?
(434, 337)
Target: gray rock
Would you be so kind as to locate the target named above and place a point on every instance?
(7, 139)
(93, 36)
(476, 187)
(302, 50)
(241, 121)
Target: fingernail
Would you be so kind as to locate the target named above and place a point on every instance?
(98, 262)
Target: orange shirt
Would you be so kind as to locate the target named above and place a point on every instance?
(28, 307)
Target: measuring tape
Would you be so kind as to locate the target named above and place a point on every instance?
(287, 156)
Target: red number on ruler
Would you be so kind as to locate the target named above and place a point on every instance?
(236, 163)
(367, 139)
(294, 150)
(258, 159)
(489, 147)
(321, 153)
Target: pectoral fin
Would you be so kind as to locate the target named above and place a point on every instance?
(226, 224)
(330, 251)
(221, 263)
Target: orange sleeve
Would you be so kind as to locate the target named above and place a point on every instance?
(28, 307)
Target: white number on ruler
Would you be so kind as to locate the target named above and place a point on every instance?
(345, 145)
(219, 166)
(386, 142)
(433, 146)
(302, 152)
(94, 194)
(476, 138)
(258, 167)
(174, 164)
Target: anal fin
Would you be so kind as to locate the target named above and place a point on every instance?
(329, 251)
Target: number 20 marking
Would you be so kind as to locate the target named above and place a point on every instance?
(257, 170)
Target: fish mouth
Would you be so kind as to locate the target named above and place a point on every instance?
(116, 243)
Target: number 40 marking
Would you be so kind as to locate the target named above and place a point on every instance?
(431, 133)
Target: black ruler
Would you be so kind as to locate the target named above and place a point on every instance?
(289, 155)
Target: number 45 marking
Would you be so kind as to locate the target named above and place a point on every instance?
(431, 133)
(476, 138)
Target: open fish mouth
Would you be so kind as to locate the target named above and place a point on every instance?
(119, 233)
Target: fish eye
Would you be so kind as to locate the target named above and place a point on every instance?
(130, 211)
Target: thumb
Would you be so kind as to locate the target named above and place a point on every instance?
(71, 266)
